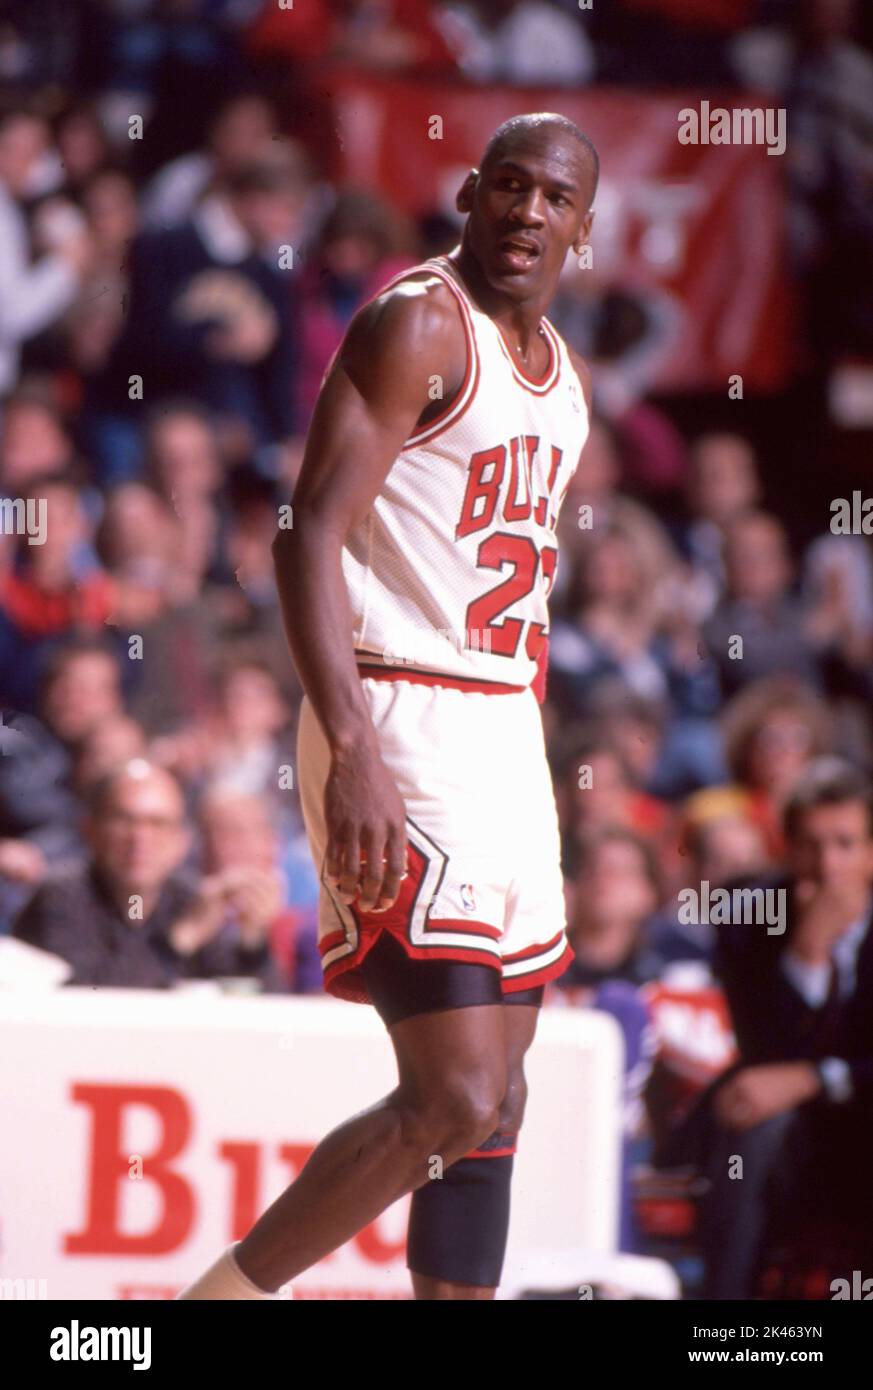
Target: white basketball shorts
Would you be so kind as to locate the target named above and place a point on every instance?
(484, 878)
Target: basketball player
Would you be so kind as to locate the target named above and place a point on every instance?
(413, 588)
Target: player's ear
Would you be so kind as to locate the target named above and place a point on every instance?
(464, 200)
(584, 234)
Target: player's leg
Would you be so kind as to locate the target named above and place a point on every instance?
(452, 1078)
(458, 1226)
(534, 950)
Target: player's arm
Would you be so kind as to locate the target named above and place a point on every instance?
(373, 398)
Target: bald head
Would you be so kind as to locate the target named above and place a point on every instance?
(143, 778)
(136, 826)
(536, 129)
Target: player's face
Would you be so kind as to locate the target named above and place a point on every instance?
(528, 206)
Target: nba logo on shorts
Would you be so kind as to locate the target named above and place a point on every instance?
(467, 899)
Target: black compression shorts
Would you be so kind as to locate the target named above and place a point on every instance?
(401, 987)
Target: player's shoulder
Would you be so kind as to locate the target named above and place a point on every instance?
(418, 302)
(406, 334)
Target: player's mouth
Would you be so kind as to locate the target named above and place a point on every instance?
(516, 254)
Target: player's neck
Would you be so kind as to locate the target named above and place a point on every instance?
(521, 322)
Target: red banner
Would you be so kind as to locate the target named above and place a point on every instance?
(701, 224)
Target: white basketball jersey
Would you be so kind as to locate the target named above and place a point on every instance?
(451, 569)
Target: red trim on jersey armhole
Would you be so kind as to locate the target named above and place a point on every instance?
(470, 384)
(440, 421)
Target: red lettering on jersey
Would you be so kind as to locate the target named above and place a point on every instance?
(535, 641)
(557, 455)
(478, 486)
(513, 510)
(549, 557)
(542, 507)
(494, 552)
(542, 503)
(537, 632)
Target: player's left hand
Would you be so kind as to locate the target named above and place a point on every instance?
(366, 824)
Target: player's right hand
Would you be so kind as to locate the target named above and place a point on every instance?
(366, 829)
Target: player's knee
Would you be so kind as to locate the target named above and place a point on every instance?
(458, 1111)
(511, 1115)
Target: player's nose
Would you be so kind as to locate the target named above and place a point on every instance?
(529, 210)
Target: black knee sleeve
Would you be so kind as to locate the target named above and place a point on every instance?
(458, 1224)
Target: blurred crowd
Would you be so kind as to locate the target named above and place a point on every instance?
(167, 309)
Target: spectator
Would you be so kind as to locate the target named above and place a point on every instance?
(830, 164)
(56, 589)
(595, 791)
(669, 757)
(759, 608)
(156, 563)
(797, 1104)
(108, 745)
(32, 296)
(614, 619)
(240, 129)
(240, 745)
(362, 243)
(212, 306)
(723, 485)
(242, 848)
(392, 36)
(772, 731)
(184, 465)
(34, 442)
(719, 842)
(596, 500)
(614, 891)
(138, 540)
(39, 810)
(95, 320)
(526, 42)
(837, 591)
(623, 619)
(82, 145)
(679, 42)
(128, 917)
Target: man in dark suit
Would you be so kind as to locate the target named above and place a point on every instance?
(796, 1107)
(213, 312)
